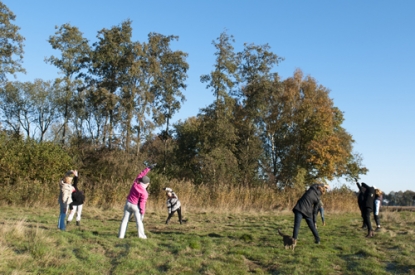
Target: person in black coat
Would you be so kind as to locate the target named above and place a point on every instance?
(369, 201)
(361, 202)
(306, 208)
(78, 199)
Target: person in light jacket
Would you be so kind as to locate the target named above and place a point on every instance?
(306, 208)
(65, 198)
(136, 203)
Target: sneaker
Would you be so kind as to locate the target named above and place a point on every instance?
(317, 241)
(378, 228)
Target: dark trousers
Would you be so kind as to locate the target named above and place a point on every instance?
(298, 217)
(366, 218)
(377, 220)
(179, 212)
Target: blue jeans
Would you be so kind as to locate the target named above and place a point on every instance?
(62, 216)
(298, 217)
(321, 210)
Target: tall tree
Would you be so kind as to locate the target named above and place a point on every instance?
(74, 52)
(220, 136)
(306, 134)
(255, 65)
(11, 44)
(109, 66)
(169, 81)
(43, 95)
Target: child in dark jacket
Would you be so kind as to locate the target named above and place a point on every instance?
(78, 199)
(173, 205)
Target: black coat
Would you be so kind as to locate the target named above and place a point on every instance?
(360, 197)
(369, 196)
(308, 203)
(78, 196)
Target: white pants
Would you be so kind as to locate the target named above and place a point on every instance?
(129, 209)
(78, 210)
(377, 207)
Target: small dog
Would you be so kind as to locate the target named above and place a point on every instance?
(289, 242)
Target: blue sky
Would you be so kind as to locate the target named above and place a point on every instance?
(363, 51)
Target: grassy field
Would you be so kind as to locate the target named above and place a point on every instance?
(208, 243)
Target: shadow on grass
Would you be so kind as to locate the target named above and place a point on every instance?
(396, 268)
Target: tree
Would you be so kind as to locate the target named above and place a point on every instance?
(109, 65)
(74, 51)
(219, 134)
(11, 44)
(169, 80)
(305, 133)
(255, 64)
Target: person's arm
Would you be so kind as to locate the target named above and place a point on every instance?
(365, 185)
(358, 185)
(144, 172)
(142, 203)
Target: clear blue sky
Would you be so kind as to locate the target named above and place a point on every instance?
(363, 51)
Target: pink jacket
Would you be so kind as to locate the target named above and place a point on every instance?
(138, 193)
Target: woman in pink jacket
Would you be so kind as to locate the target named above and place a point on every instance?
(136, 203)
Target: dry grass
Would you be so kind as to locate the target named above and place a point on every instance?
(222, 198)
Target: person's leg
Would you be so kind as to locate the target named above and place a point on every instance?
(368, 222)
(313, 229)
(139, 222)
(297, 222)
(179, 212)
(79, 214)
(124, 221)
(169, 217)
(376, 213)
(362, 214)
(322, 215)
(72, 213)
(62, 216)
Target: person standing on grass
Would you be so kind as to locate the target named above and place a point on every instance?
(173, 205)
(78, 199)
(136, 203)
(306, 208)
(319, 209)
(378, 203)
(369, 201)
(65, 198)
(361, 202)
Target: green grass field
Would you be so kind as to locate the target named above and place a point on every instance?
(209, 243)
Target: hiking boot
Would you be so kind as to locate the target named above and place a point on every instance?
(378, 229)
(78, 223)
(370, 234)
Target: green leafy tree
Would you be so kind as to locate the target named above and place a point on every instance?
(255, 64)
(110, 62)
(169, 81)
(219, 134)
(11, 44)
(74, 52)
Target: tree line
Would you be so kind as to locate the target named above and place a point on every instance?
(115, 94)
